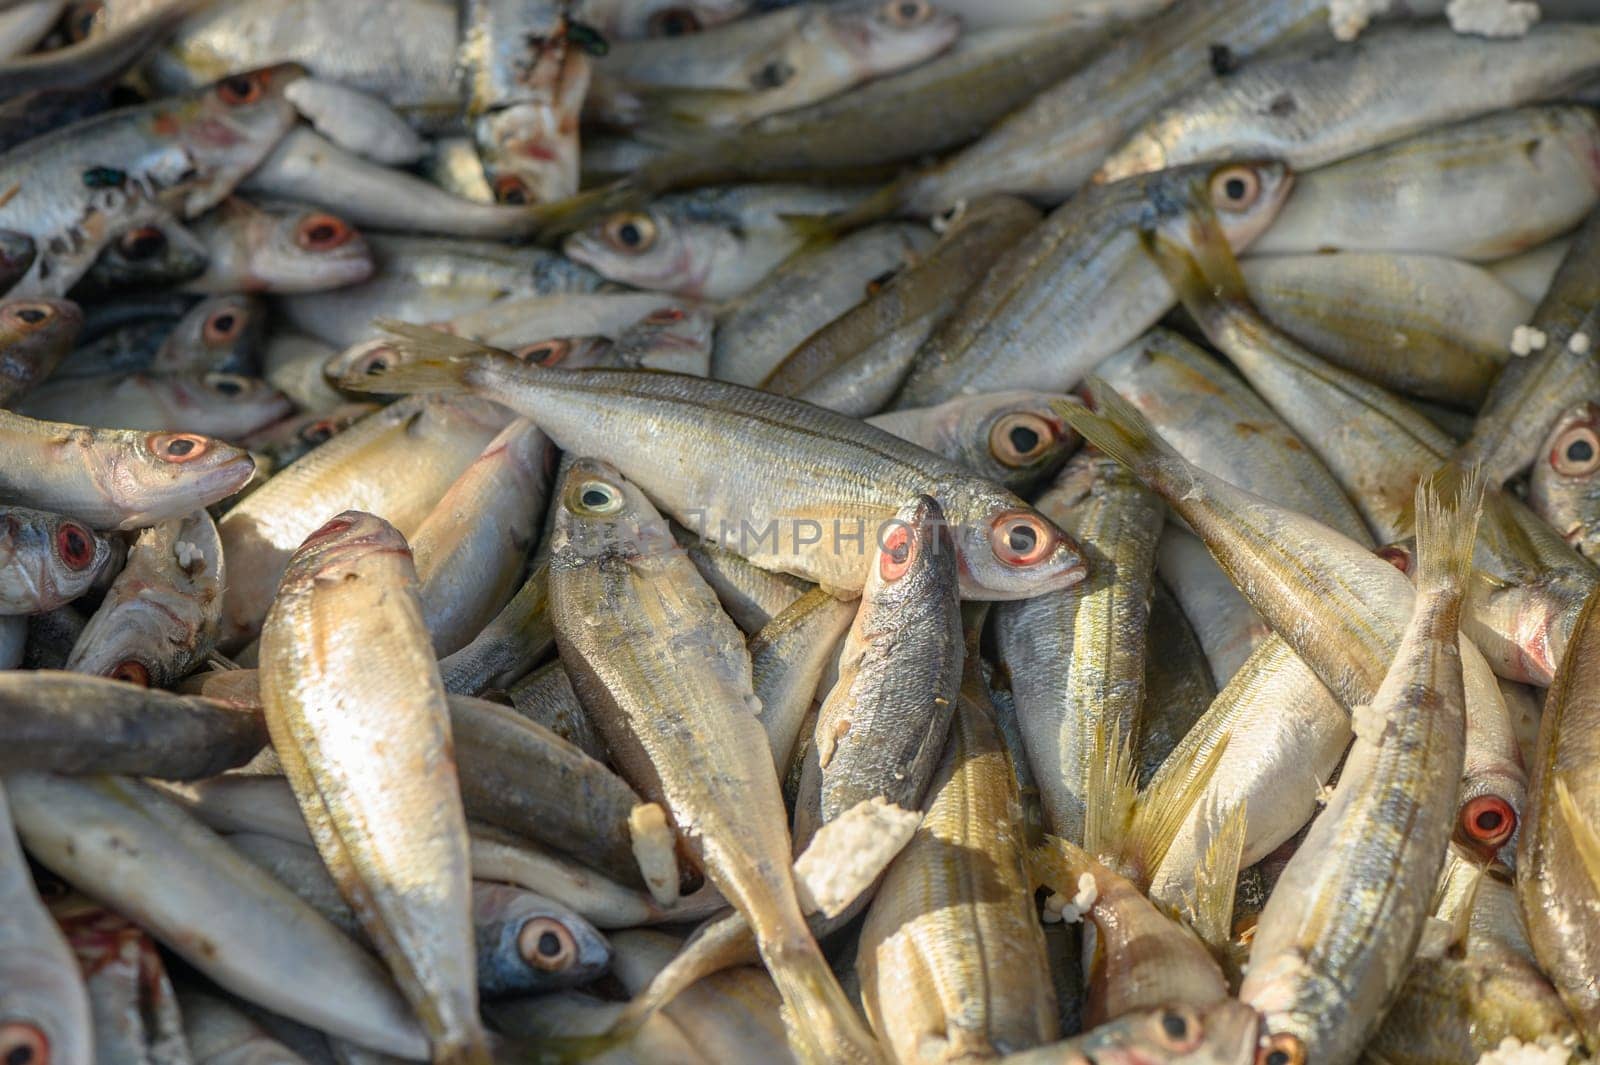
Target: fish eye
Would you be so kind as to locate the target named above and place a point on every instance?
(1576, 452)
(375, 363)
(509, 188)
(1281, 1048)
(545, 352)
(322, 232)
(29, 316)
(75, 546)
(23, 1044)
(131, 671)
(547, 944)
(598, 497)
(1178, 1030)
(1018, 439)
(673, 22)
(1021, 539)
(319, 432)
(81, 22)
(897, 550)
(226, 384)
(1396, 556)
(221, 327)
(773, 75)
(1486, 822)
(1235, 188)
(631, 232)
(904, 13)
(242, 89)
(146, 242)
(178, 447)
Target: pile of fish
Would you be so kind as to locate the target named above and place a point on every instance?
(688, 532)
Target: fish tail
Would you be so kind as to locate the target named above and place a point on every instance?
(1161, 811)
(1200, 266)
(1115, 427)
(884, 203)
(427, 360)
(1111, 789)
(1447, 507)
(1216, 879)
(820, 1018)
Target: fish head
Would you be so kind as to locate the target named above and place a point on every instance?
(534, 943)
(54, 560)
(529, 147)
(238, 404)
(285, 441)
(337, 549)
(230, 128)
(1247, 198)
(881, 36)
(1564, 486)
(1224, 1033)
(653, 248)
(1012, 438)
(602, 517)
(156, 464)
(915, 558)
(1194, 218)
(675, 339)
(44, 1013)
(633, 19)
(1007, 550)
(218, 333)
(160, 251)
(573, 353)
(35, 333)
(305, 250)
(17, 252)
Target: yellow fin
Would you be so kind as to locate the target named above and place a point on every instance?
(1584, 837)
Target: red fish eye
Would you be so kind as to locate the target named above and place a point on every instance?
(242, 89)
(322, 232)
(29, 316)
(1021, 538)
(333, 527)
(221, 327)
(1396, 556)
(547, 944)
(131, 671)
(1017, 439)
(1281, 1048)
(146, 242)
(1576, 452)
(545, 352)
(897, 549)
(179, 447)
(318, 432)
(1487, 822)
(23, 1044)
(508, 188)
(75, 545)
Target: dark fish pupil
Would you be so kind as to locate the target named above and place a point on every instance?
(908, 11)
(180, 447)
(143, 243)
(31, 315)
(228, 388)
(630, 234)
(21, 1055)
(1024, 439)
(677, 22)
(1174, 1025)
(104, 177)
(222, 323)
(594, 498)
(1022, 539)
(549, 945)
(320, 234)
(513, 194)
(318, 434)
(377, 366)
(239, 86)
(75, 546)
(1278, 1057)
(1490, 821)
(1236, 188)
(1580, 451)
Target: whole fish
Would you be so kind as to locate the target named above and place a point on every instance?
(396, 463)
(711, 244)
(1333, 945)
(1562, 485)
(82, 183)
(754, 67)
(147, 858)
(161, 616)
(326, 699)
(640, 630)
(1012, 438)
(223, 405)
(1423, 325)
(881, 730)
(1081, 286)
(269, 249)
(1096, 629)
(41, 994)
(1323, 103)
(46, 560)
(856, 363)
(854, 474)
(1478, 191)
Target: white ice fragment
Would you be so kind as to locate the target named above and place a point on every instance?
(847, 854)
(1525, 340)
(1514, 1052)
(186, 554)
(1579, 343)
(1492, 18)
(1088, 892)
(1347, 18)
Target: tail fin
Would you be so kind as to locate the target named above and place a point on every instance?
(1447, 508)
(1161, 811)
(1585, 840)
(1115, 426)
(1204, 273)
(820, 1018)
(429, 361)
(884, 203)
(1111, 792)
(1215, 881)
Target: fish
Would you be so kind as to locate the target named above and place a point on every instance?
(323, 705)
(508, 647)
(1561, 484)
(751, 596)
(358, 121)
(881, 730)
(1224, 1034)
(1322, 103)
(42, 995)
(856, 363)
(638, 629)
(1178, 683)
(149, 860)
(1012, 438)
(83, 64)
(1081, 286)
(224, 405)
(709, 244)
(221, 333)
(1337, 935)
(161, 615)
(1006, 549)
(218, 1031)
(1463, 175)
(734, 74)
(269, 249)
(46, 561)
(1227, 626)
(159, 251)
(284, 441)
(790, 657)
